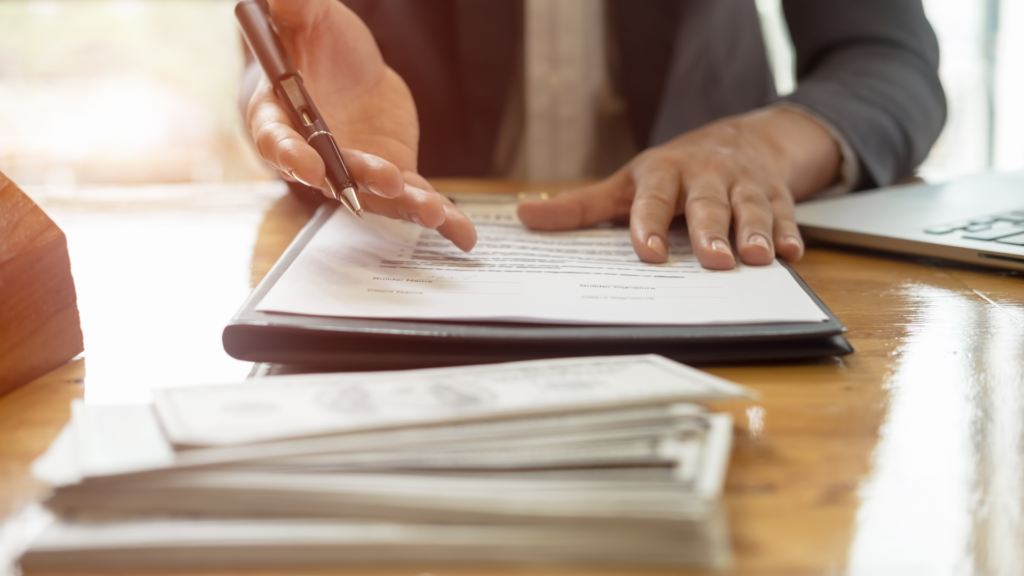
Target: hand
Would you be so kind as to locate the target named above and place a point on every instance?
(743, 172)
(369, 110)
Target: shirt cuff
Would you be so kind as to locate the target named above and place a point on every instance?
(849, 167)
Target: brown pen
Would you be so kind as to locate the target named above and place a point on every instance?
(254, 18)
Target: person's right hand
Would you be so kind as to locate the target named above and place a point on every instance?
(369, 110)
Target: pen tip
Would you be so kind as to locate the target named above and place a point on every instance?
(359, 213)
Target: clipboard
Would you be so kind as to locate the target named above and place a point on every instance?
(365, 344)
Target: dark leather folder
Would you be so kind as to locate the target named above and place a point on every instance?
(358, 344)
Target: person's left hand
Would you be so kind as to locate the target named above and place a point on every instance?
(742, 173)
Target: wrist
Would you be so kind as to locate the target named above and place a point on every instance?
(807, 155)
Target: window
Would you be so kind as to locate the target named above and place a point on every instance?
(121, 92)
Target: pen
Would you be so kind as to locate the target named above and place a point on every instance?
(254, 18)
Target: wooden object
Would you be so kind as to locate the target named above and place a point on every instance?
(902, 458)
(39, 324)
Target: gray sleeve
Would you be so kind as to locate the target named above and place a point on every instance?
(870, 68)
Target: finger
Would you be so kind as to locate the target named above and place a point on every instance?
(458, 228)
(788, 243)
(655, 204)
(610, 198)
(708, 217)
(426, 209)
(374, 174)
(278, 143)
(415, 179)
(752, 213)
(286, 150)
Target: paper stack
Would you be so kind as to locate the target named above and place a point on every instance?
(574, 461)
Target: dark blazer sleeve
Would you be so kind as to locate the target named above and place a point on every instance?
(870, 68)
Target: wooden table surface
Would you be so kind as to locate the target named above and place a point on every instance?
(905, 458)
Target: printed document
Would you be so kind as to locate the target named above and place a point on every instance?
(383, 268)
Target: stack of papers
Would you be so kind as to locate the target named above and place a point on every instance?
(571, 461)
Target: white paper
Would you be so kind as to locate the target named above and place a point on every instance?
(293, 406)
(116, 439)
(102, 440)
(59, 465)
(17, 533)
(382, 268)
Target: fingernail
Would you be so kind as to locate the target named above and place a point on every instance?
(759, 240)
(794, 241)
(654, 242)
(415, 218)
(372, 186)
(720, 246)
(295, 176)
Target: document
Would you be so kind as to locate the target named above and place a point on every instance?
(382, 268)
(282, 407)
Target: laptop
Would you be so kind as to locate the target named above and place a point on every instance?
(979, 219)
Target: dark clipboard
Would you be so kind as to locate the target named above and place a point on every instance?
(358, 344)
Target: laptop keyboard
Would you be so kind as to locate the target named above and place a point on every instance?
(1004, 228)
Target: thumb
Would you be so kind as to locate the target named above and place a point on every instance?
(325, 36)
(583, 207)
(299, 15)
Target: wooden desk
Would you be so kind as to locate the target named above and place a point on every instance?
(904, 458)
